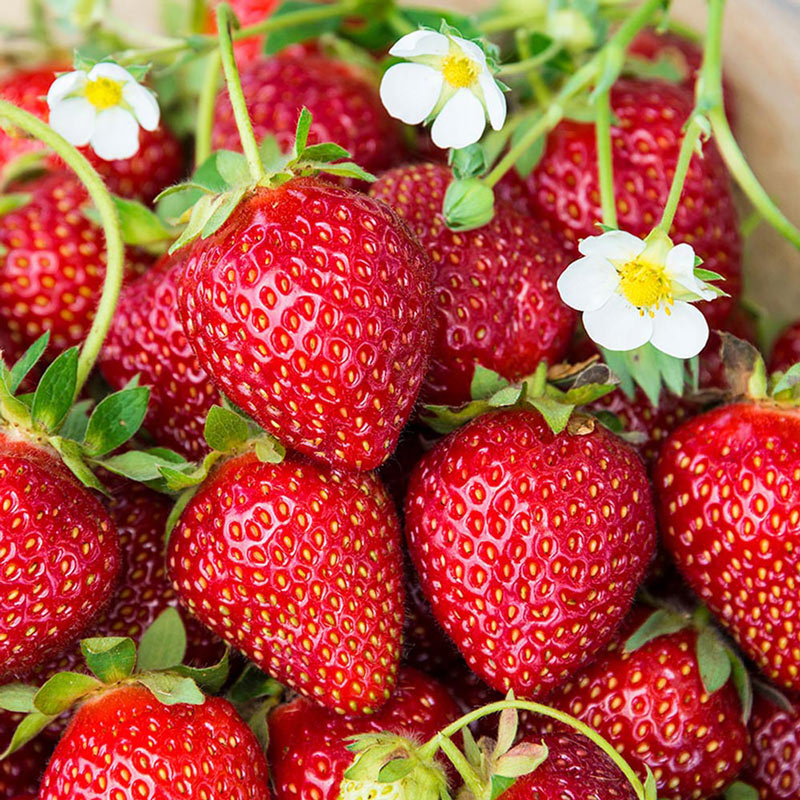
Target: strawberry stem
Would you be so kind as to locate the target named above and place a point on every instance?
(691, 137)
(234, 83)
(205, 108)
(463, 767)
(605, 164)
(528, 64)
(115, 249)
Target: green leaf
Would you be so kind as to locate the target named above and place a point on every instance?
(29, 728)
(345, 169)
(468, 204)
(280, 39)
(395, 770)
(163, 644)
(73, 457)
(115, 420)
(143, 465)
(76, 422)
(741, 681)
(18, 697)
(56, 391)
(212, 678)
(225, 429)
(110, 658)
(741, 791)
(62, 691)
(527, 162)
(659, 623)
(327, 151)
(712, 660)
(269, 450)
(485, 383)
(27, 362)
(232, 167)
(169, 688)
(555, 413)
(140, 226)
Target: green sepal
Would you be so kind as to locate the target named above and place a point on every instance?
(664, 68)
(177, 480)
(277, 40)
(650, 369)
(395, 770)
(225, 430)
(470, 747)
(184, 498)
(325, 152)
(507, 728)
(220, 209)
(115, 420)
(62, 691)
(140, 227)
(468, 162)
(660, 623)
(784, 385)
(556, 414)
(163, 644)
(258, 722)
(269, 450)
(650, 787)
(232, 168)
(73, 457)
(741, 791)
(26, 362)
(18, 698)
(55, 391)
(521, 760)
(741, 681)
(211, 679)
(110, 658)
(28, 729)
(486, 382)
(13, 201)
(77, 421)
(253, 684)
(499, 785)
(170, 688)
(468, 204)
(745, 370)
(143, 465)
(765, 689)
(713, 660)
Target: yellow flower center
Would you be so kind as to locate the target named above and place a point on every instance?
(104, 93)
(645, 284)
(459, 70)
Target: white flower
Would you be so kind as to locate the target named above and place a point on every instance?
(632, 292)
(103, 108)
(448, 79)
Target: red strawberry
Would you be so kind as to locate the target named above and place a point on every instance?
(345, 106)
(563, 192)
(59, 556)
(309, 308)
(248, 12)
(727, 486)
(786, 350)
(20, 772)
(298, 566)
(496, 301)
(651, 704)
(158, 163)
(307, 744)
(529, 545)
(147, 339)
(52, 265)
(125, 745)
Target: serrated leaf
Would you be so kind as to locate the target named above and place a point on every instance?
(110, 658)
(163, 644)
(744, 686)
(232, 167)
(56, 391)
(18, 697)
(224, 429)
(485, 383)
(30, 726)
(741, 791)
(659, 623)
(212, 678)
(62, 691)
(27, 362)
(327, 151)
(72, 456)
(170, 689)
(115, 420)
(555, 414)
(269, 450)
(278, 40)
(712, 661)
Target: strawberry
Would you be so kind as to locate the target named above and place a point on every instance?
(52, 265)
(646, 696)
(727, 488)
(125, 744)
(786, 350)
(571, 532)
(562, 191)
(146, 339)
(298, 566)
(307, 744)
(158, 163)
(248, 12)
(345, 106)
(59, 556)
(21, 771)
(496, 301)
(309, 309)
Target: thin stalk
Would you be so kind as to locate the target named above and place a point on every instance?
(205, 108)
(507, 22)
(690, 139)
(527, 64)
(605, 164)
(103, 202)
(463, 767)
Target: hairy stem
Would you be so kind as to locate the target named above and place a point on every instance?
(205, 108)
(690, 139)
(605, 165)
(463, 767)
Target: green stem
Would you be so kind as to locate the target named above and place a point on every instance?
(750, 223)
(527, 64)
(690, 139)
(104, 203)
(605, 164)
(196, 11)
(205, 108)
(234, 82)
(507, 22)
(463, 767)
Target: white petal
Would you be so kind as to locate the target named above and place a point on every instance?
(614, 245)
(115, 72)
(618, 325)
(74, 118)
(472, 50)
(116, 134)
(680, 269)
(421, 43)
(682, 333)
(461, 122)
(494, 99)
(588, 283)
(410, 91)
(144, 105)
(63, 85)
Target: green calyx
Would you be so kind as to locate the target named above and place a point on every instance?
(113, 662)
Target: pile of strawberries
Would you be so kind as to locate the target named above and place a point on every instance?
(338, 560)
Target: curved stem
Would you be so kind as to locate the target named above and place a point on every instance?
(234, 82)
(104, 203)
(527, 64)
(205, 108)
(463, 767)
(605, 164)
(690, 139)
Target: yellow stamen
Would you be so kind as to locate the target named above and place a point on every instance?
(645, 284)
(459, 70)
(104, 93)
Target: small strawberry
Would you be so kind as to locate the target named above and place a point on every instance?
(21, 771)
(663, 694)
(786, 350)
(146, 339)
(494, 288)
(309, 309)
(307, 744)
(563, 190)
(248, 12)
(158, 163)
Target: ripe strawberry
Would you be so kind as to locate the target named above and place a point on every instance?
(309, 308)
(563, 191)
(786, 350)
(345, 106)
(307, 744)
(727, 488)
(651, 704)
(496, 301)
(20, 772)
(147, 339)
(298, 566)
(248, 12)
(529, 545)
(52, 265)
(59, 556)
(125, 744)
(158, 163)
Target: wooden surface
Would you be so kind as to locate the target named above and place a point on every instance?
(762, 59)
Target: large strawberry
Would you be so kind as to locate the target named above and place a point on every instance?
(310, 310)
(299, 566)
(158, 163)
(529, 544)
(146, 338)
(494, 288)
(563, 189)
(308, 752)
(661, 695)
(786, 350)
